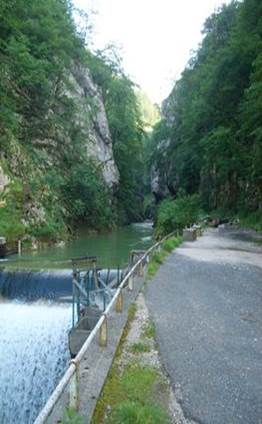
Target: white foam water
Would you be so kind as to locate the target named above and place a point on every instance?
(33, 356)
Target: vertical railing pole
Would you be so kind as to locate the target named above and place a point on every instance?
(104, 299)
(119, 302)
(130, 283)
(117, 275)
(141, 269)
(19, 247)
(73, 306)
(74, 398)
(103, 333)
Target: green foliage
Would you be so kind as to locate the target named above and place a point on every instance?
(209, 141)
(149, 330)
(132, 312)
(38, 43)
(72, 417)
(132, 397)
(11, 214)
(124, 118)
(140, 347)
(50, 230)
(42, 138)
(251, 220)
(170, 244)
(158, 257)
(130, 412)
(156, 260)
(138, 381)
(85, 196)
(152, 269)
(177, 214)
(150, 113)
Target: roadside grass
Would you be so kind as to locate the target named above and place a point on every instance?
(72, 417)
(149, 330)
(170, 244)
(152, 269)
(136, 386)
(130, 395)
(158, 257)
(133, 412)
(140, 347)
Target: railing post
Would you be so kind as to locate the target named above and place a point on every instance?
(141, 269)
(119, 302)
(74, 399)
(130, 283)
(19, 247)
(103, 333)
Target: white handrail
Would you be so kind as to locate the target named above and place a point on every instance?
(65, 380)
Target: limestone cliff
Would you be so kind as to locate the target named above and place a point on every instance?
(27, 181)
(163, 182)
(4, 180)
(93, 121)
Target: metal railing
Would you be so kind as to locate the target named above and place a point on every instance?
(69, 385)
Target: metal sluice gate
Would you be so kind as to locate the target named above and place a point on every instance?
(92, 290)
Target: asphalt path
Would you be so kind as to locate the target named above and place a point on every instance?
(206, 303)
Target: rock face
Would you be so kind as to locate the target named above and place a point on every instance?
(88, 128)
(93, 122)
(4, 180)
(158, 184)
(164, 181)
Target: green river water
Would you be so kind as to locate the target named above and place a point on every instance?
(112, 249)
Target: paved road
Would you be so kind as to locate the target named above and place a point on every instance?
(206, 302)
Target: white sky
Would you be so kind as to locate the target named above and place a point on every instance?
(155, 36)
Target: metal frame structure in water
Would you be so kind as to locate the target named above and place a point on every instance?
(88, 286)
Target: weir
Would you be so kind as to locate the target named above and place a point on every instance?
(33, 356)
(35, 321)
(30, 285)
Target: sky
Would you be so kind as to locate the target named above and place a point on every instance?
(155, 37)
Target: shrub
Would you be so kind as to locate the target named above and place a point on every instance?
(177, 214)
(85, 196)
(11, 225)
(170, 244)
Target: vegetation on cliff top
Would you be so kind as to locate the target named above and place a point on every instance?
(209, 140)
(43, 146)
(127, 131)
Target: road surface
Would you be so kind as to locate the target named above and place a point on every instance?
(206, 303)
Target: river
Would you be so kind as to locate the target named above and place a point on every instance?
(33, 343)
(111, 248)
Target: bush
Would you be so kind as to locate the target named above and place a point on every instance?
(251, 220)
(177, 214)
(86, 198)
(170, 244)
(11, 225)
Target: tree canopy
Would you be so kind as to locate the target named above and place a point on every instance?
(43, 145)
(212, 119)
